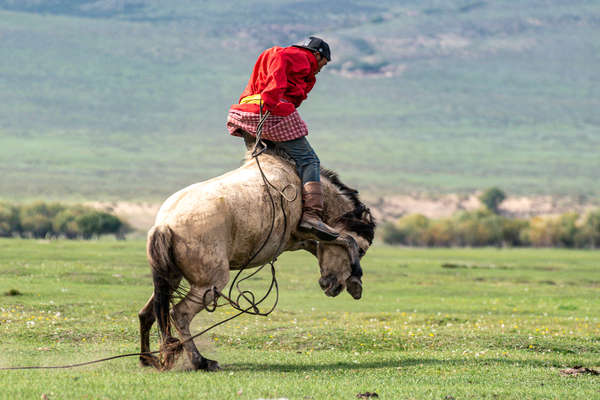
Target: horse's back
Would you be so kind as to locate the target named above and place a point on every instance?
(231, 213)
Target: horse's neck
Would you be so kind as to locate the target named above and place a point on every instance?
(336, 203)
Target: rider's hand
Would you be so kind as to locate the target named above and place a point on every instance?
(283, 108)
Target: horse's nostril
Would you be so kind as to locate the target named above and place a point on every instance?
(327, 281)
(337, 290)
(324, 283)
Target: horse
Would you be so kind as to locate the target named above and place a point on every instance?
(207, 229)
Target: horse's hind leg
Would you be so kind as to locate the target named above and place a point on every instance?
(147, 318)
(182, 315)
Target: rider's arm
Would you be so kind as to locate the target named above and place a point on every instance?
(277, 82)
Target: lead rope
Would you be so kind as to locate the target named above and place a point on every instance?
(246, 295)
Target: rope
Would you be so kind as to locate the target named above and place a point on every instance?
(246, 295)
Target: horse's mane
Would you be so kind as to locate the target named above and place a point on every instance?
(359, 220)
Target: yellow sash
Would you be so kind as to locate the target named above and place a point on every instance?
(252, 99)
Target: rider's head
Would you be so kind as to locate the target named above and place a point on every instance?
(319, 47)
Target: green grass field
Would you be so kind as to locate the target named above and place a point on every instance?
(433, 324)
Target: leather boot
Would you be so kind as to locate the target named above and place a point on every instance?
(312, 213)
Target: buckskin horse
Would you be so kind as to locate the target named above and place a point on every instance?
(209, 228)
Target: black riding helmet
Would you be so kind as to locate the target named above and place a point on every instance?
(314, 43)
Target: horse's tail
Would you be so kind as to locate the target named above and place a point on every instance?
(160, 255)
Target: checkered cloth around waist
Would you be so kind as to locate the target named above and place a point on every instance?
(276, 128)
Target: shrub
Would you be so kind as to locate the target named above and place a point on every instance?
(567, 230)
(36, 218)
(589, 232)
(478, 228)
(391, 235)
(65, 222)
(485, 228)
(441, 233)
(413, 228)
(467, 228)
(512, 230)
(492, 198)
(543, 231)
(41, 220)
(98, 223)
(409, 230)
(561, 231)
(9, 220)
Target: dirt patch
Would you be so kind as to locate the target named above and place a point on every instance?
(367, 395)
(578, 370)
(471, 266)
(395, 206)
(141, 215)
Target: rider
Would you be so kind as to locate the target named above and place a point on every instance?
(280, 81)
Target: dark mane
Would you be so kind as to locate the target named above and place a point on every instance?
(360, 220)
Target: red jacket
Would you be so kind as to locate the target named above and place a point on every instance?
(283, 76)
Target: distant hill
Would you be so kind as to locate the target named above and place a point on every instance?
(126, 99)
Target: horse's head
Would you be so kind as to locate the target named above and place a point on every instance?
(339, 261)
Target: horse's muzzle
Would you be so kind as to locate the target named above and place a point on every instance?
(330, 285)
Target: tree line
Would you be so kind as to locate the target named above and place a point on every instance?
(54, 220)
(486, 227)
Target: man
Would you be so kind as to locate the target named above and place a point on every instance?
(281, 80)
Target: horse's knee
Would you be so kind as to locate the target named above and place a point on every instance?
(146, 313)
(146, 319)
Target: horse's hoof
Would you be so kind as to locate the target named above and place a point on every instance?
(148, 360)
(354, 287)
(212, 366)
(208, 366)
(200, 363)
(169, 352)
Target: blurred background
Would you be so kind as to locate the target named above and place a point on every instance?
(425, 105)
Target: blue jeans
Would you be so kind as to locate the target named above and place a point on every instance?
(307, 162)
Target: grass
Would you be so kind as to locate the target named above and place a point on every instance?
(433, 323)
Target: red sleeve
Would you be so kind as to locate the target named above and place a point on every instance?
(277, 81)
